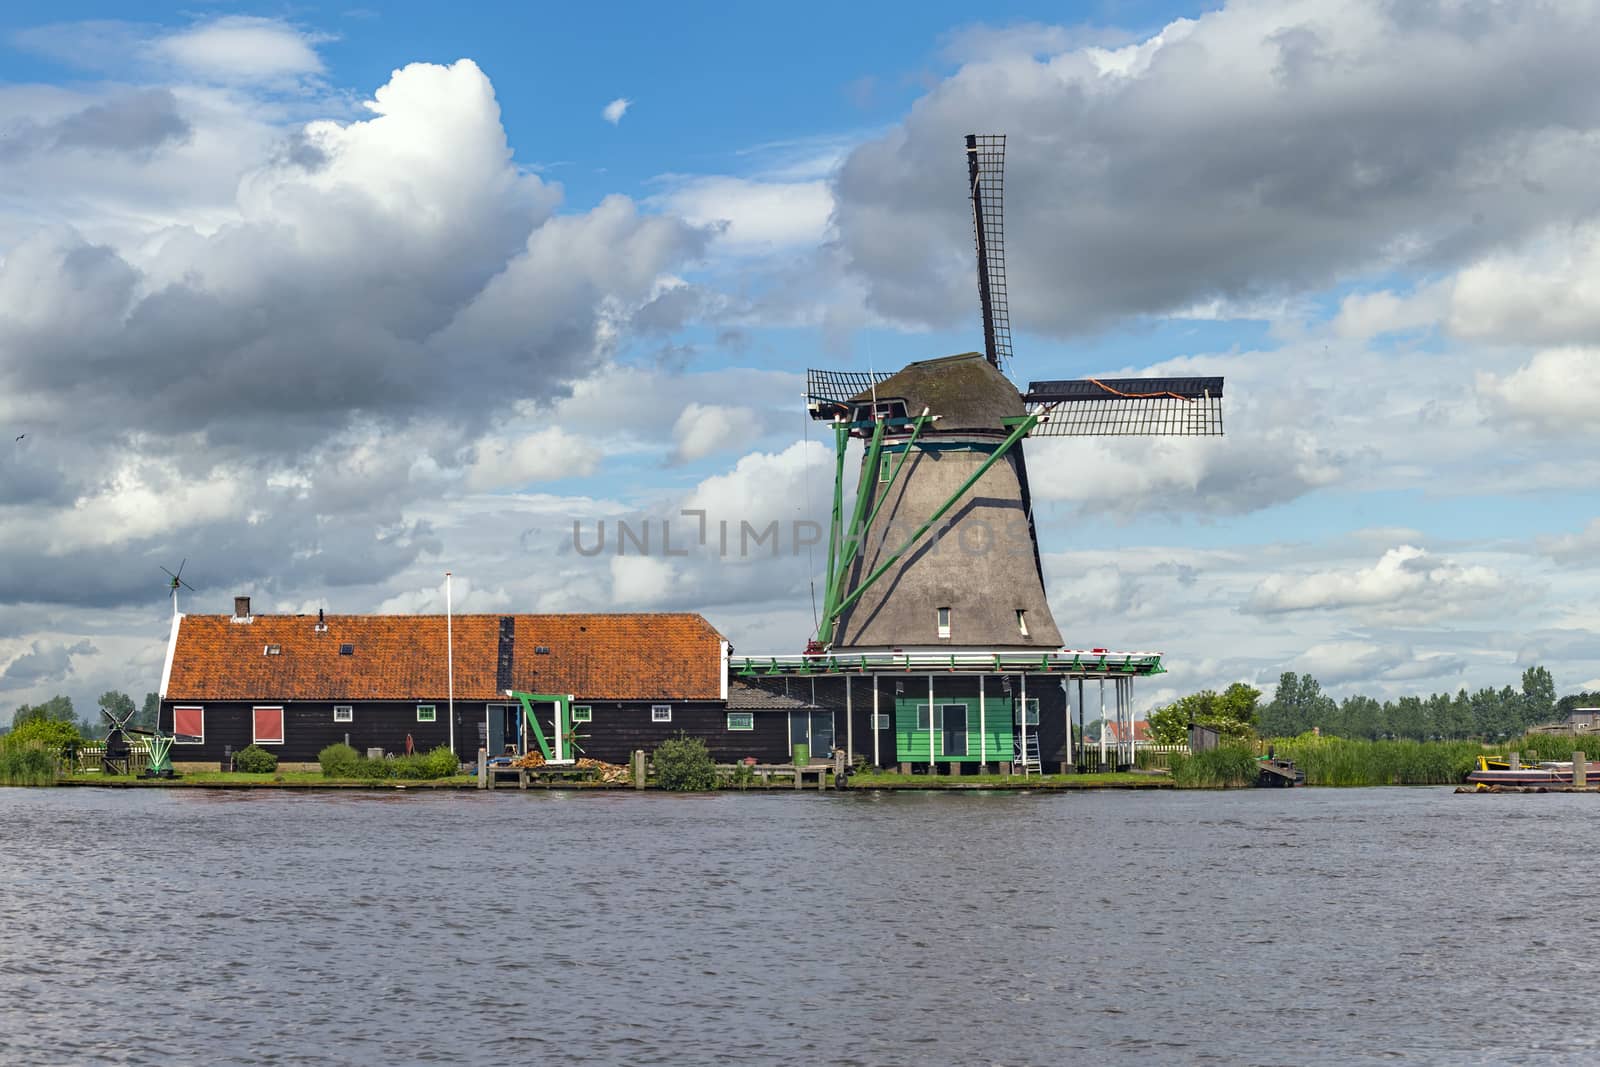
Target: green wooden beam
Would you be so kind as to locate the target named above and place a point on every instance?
(1016, 435)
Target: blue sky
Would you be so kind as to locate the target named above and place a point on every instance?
(273, 299)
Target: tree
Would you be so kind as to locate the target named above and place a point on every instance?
(56, 709)
(146, 719)
(1573, 701)
(1538, 696)
(1232, 713)
(1297, 706)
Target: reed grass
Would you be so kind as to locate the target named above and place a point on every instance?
(1535, 747)
(26, 764)
(1340, 762)
(1217, 768)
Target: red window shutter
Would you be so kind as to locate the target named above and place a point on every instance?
(189, 723)
(269, 726)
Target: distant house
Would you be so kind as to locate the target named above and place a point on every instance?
(297, 683)
(1578, 721)
(1115, 734)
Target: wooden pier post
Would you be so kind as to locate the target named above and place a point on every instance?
(638, 768)
(1580, 771)
(1515, 762)
(483, 768)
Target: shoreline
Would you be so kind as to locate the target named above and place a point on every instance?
(870, 783)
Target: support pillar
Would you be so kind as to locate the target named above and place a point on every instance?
(1580, 771)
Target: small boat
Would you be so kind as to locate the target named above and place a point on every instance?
(1496, 770)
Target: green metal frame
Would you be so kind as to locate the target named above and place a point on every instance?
(1057, 662)
(563, 703)
(835, 604)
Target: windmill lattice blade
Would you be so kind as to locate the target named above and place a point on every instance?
(840, 385)
(986, 162)
(1127, 407)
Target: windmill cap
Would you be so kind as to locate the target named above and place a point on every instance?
(966, 391)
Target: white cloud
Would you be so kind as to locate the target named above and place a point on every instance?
(1557, 391)
(753, 214)
(703, 429)
(242, 48)
(546, 455)
(641, 582)
(1407, 582)
(614, 111)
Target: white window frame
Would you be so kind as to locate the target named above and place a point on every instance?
(660, 712)
(924, 721)
(1030, 712)
(586, 709)
(348, 710)
(880, 721)
(283, 723)
(433, 712)
(942, 619)
(188, 707)
(743, 716)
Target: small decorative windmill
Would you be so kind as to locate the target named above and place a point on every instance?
(176, 581)
(118, 751)
(943, 442)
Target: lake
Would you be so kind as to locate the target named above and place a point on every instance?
(1262, 926)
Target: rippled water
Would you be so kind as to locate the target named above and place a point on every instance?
(1256, 927)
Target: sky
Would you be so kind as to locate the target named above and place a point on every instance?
(329, 301)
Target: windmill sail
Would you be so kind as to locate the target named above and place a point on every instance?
(986, 162)
(1126, 407)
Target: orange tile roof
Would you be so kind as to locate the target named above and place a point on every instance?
(403, 657)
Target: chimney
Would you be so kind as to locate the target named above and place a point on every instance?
(322, 622)
(241, 607)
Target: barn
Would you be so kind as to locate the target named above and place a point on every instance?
(297, 683)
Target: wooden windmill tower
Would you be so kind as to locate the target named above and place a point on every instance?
(939, 550)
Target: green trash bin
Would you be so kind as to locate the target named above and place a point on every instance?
(802, 755)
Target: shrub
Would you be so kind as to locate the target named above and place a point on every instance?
(1217, 768)
(52, 735)
(442, 763)
(741, 775)
(683, 764)
(340, 761)
(255, 760)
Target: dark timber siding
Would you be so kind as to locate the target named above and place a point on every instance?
(308, 728)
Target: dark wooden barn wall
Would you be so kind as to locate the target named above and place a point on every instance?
(308, 728)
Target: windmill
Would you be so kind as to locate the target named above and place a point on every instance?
(175, 582)
(118, 752)
(943, 443)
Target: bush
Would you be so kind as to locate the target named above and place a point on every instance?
(340, 761)
(255, 760)
(684, 765)
(438, 763)
(1217, 768)
(52, 735)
